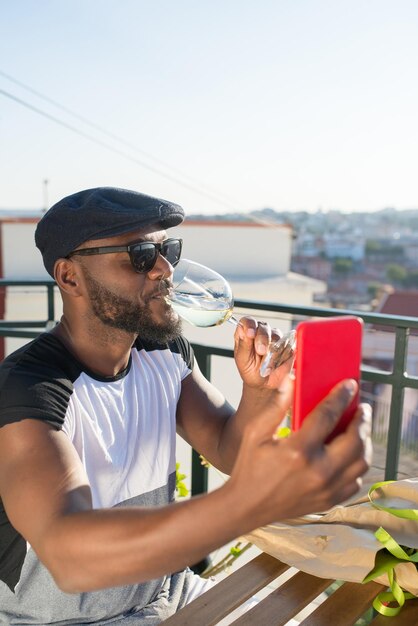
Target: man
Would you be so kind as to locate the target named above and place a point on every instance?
(89, 532)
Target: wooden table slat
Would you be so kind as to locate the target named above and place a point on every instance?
(407, 617)
(285, 602)
(342, 608)
(229, 593)
(345, 605)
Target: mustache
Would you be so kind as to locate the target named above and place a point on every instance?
(163, 289)
(166, 282)
(164, 286)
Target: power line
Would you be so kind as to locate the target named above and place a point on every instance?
(113, 149)
(203, 188)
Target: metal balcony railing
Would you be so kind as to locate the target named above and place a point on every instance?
(397, 377)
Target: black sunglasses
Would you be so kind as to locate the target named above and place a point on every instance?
(143, 255)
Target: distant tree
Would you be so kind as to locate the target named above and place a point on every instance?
(380, 251)
(342, 266)
(396, 273)
(396, 251)
(373, 290)
(372, 246)
(411, 279)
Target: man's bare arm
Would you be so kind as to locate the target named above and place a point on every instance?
(211, 425)
(47, 499)
(207, 421)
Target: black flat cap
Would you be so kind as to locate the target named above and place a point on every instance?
(97, 214)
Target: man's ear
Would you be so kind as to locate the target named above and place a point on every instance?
(66, 276)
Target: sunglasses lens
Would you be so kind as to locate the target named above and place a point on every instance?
(171, 250)
(143, 257)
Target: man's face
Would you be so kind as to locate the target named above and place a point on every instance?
(126, 300)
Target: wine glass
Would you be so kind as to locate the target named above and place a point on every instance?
(204, 298)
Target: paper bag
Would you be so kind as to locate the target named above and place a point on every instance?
(341, 544)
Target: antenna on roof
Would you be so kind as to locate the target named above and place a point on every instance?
(45, 190)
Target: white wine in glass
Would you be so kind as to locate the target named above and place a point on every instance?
(203, 312)
(204, 298)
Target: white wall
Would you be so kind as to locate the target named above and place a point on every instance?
(237, 249)
(21, 259)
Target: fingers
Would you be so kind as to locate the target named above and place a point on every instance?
(280, 351)
(353, 448)
(344, 460)
(362, 422)
(361, 427)
(322, 420)
(269, 412)
(347, 458)
(255, 334)
(280, 374)
(246, 329)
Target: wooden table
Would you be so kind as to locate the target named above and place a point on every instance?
(342, 607)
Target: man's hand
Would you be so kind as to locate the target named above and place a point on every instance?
(87, 549)
(284, 478)
(251, 344)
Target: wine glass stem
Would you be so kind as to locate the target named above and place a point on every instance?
(278, 353)
(234, 320)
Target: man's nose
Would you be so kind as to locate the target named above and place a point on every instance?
(161, 269)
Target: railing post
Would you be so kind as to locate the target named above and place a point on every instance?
(396, 404)
(199, 479)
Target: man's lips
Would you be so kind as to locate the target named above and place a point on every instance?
(156, 296)
(161, 294)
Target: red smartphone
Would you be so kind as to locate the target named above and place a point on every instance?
(328, 350)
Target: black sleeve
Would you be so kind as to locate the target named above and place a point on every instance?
(182, 346)
(34, 385)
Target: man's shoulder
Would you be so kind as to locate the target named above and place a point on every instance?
(45, 357)
(180, 345)
(36, 381)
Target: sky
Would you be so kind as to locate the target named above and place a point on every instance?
(219, 105)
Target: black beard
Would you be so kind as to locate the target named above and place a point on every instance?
(122, 314)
